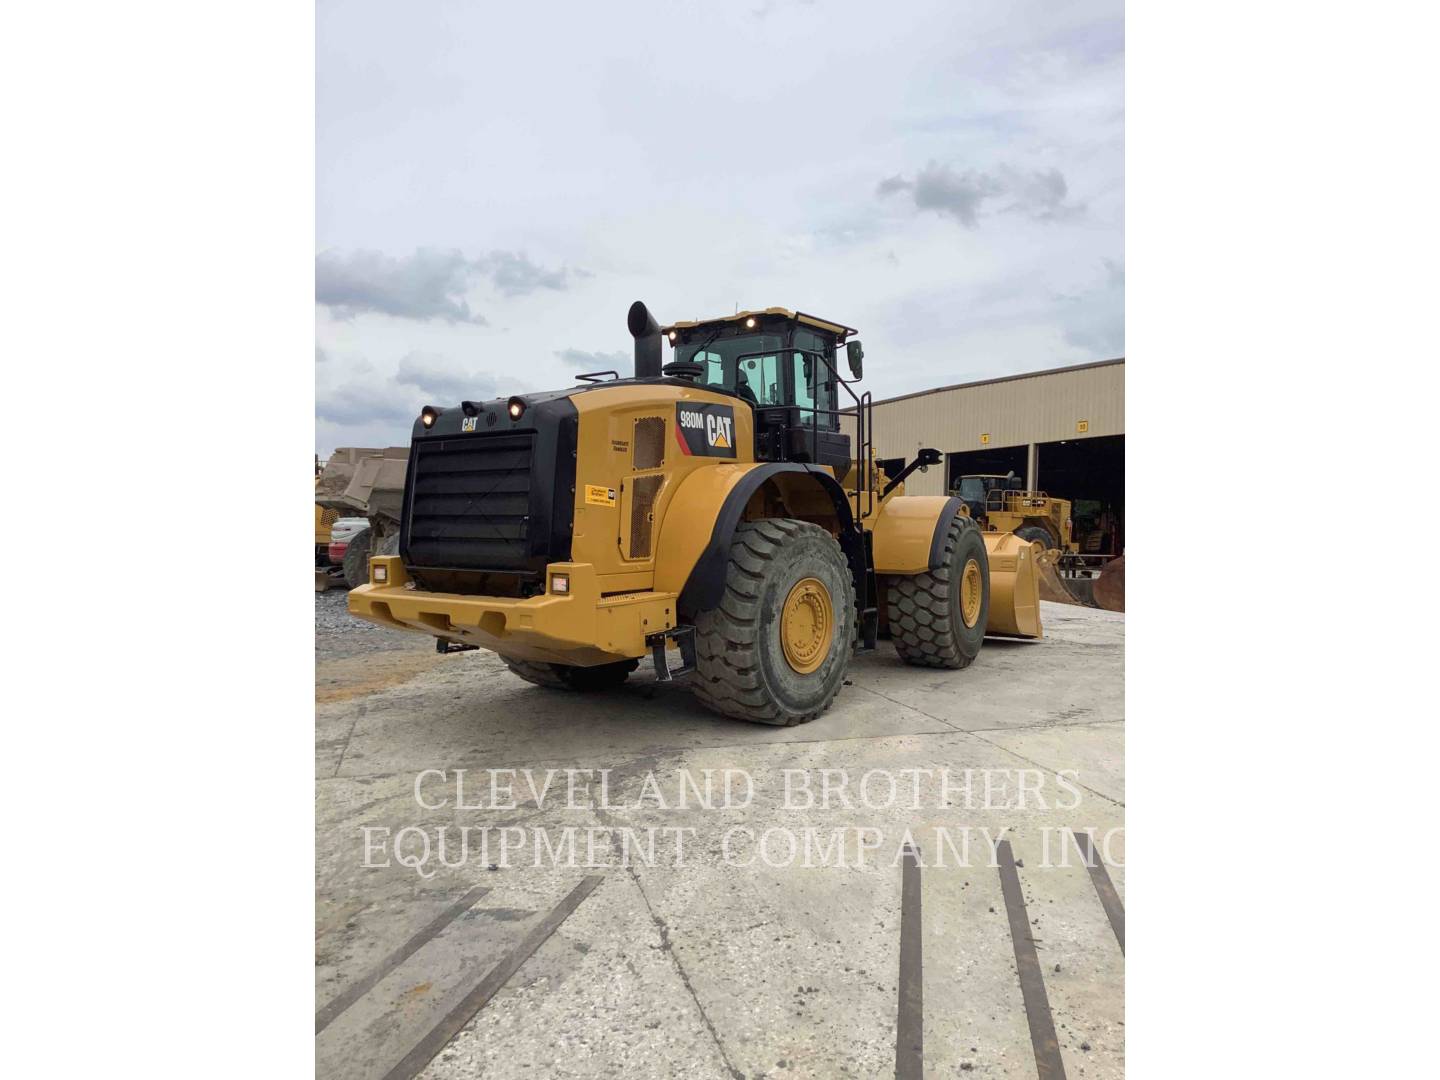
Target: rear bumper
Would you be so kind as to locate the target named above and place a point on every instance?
(582, 627)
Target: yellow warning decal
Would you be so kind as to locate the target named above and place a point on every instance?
(595, 495)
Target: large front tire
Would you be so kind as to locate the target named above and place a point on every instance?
(937, 619)
(776, 649)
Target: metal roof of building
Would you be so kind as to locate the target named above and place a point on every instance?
(998, 379)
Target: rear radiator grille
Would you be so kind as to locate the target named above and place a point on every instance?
(470, 503)
(649, 442)
(645, 490)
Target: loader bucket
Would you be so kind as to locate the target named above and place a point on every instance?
(1055, 588)
(1014, 588)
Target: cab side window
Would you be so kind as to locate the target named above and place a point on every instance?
(714, 365)
(762, 375)
(814, 385)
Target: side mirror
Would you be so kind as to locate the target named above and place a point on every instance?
(855, 355)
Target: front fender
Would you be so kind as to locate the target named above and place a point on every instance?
(910, 533)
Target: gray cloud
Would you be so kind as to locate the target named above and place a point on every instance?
(964, 195)
(440, 381)
(357, 404)
(420, 379)
(427, 285)
(515, 275)
(430, 284)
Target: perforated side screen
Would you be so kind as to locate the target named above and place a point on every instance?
(642, 506)
(649, 442)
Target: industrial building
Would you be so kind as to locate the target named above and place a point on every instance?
(1062, 430)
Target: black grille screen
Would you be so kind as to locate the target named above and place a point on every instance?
(470, 502)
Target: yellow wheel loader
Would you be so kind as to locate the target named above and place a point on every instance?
(708, 512)
(1001, 503)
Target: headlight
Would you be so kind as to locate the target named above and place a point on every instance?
(560, 584)
(381, 574)
(516, 408)
(428, 414)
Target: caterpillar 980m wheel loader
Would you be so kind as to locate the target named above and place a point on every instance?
(712, 513)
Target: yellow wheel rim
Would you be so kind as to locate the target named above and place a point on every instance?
(807, 625)
(972, 588)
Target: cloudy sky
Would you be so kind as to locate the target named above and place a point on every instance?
(497, 182)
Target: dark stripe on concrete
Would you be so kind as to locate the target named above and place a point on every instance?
(415, 1061)
(910, 1017)
(1032, 984)
(1104, 887)
(327, 1015)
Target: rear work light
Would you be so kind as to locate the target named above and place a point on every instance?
(560, 584)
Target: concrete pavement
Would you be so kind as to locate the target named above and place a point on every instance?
(711, 961)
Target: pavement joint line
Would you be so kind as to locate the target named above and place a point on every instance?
(663, 928)
(1038, 765)
(683, 750)
(1048, 1064)
(910, 1008)
(326, 1016)
(680, 751)
(364, 707)
(1046, 725)
(1104, 887)
(912, 708)
(439, 1037)
(997, 746)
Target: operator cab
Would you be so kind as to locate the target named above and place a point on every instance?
(784, 365)
(975, 490)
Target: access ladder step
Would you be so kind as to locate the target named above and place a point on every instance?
(684, 637)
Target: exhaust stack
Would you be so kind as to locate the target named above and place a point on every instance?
(646, 332)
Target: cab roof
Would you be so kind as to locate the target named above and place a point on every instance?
(840, 330)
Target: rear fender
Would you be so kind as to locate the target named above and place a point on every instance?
(702, 517)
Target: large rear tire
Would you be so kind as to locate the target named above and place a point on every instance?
(1036, 532)
(937, 619)
(776, 649)
(356, 563)
(565, 677)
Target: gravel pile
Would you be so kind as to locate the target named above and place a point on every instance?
(332, 617)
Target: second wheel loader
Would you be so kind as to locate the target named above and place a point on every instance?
(709, 512)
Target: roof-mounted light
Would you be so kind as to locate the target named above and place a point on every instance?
(428, 415)
(750, 323)
(516, 408)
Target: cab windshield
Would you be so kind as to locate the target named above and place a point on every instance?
(722, 366)
(760, 369)
(972, 489)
